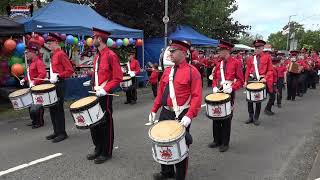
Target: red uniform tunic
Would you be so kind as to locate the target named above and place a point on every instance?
(154, 77)
(184, 87)
(281, 70)
(37, 69)
(265, 68)
(61, 64)
(275, 75)
(232, 72)
(109, 69)
(135, 66)
(304, 64)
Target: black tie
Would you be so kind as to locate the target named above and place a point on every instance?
(166, 90)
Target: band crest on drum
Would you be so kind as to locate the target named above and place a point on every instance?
(217, 110)
(39, 100)
(166, 153)
(15, 103)
(80, 119)
(257, 96)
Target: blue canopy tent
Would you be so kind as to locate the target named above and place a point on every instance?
(69, 18)
(187, 33)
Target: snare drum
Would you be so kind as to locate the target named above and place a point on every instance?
(126, 82)
(256, 92)
(21, 99)
(44, 94)
(86, 112)
(218, 106)
(168, 142)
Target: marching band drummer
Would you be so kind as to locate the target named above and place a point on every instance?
(228, 77)
(60, 69)
(133, 71)
(258, 70)
(37, 71)
(180, 96)
(107, 76)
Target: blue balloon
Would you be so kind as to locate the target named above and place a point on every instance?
(70, 39)
(20, 48)
(119, 42)
(131, 41)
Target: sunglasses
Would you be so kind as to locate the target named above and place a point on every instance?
(172, 50)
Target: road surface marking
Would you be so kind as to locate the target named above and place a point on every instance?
(29, 164)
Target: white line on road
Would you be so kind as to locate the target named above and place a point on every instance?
(29, 164)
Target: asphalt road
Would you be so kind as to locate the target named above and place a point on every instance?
(282, 147)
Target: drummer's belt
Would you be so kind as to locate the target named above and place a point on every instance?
(254, 78)
(181, 108)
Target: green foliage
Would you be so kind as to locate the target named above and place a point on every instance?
(4, 3)
(123, 53)
(278, 40)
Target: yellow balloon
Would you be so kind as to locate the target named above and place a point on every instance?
(89, 41)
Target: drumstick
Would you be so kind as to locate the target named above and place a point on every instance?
(16, 76)
(93, 92)
(45, 79)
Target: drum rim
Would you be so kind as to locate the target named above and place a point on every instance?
(166, 141)
(220, 118)
(126, 79)
(85, 107)
(20, 94)
(256, 89)
(43, 90)
(217, 102)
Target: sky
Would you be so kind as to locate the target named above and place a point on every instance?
(266, 17)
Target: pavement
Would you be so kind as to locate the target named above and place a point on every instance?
(284, 146)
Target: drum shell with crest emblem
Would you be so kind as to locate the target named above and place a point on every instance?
(218, 106)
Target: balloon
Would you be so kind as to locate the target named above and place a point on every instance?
(70, 39)
(24, 67)
(114, 44)
(125, 41)
(89, 41)
(3, 65)
(131, 41)
(41, 40)
(15, 60)
(119, 42)
(45, 36)
(17, 69)
(139, 42)
(10, 45)
(75, 41)
(109, 42)
(20, 48)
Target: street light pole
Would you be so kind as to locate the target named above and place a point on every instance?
(165, 21)
(289, 26)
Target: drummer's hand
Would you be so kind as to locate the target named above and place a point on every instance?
(152, 118)
(31, 83)
(132, 74)
(245, 84)
(263, 80)
(22, 82)
(97, 88)
(101, 92)
(215, 90)
(54, 78)
(227, 90)
(185, 121)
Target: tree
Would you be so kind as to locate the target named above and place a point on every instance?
(212, 18)
(4, 3)
(247, 39)
(278, 40)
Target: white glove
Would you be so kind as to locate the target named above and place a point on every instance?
(22, 82)
(152, 118)
(132, 74)
(215, 90)
(228, 90)
(97, 88)
(54, 78)
(31, 83)
(185, 121)
(101, 92)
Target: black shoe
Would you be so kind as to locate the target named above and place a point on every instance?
(133, 102)
(288, 98)
(300, 95)
(269, 113)
(279, 105)
(223, 148)
(127, 102)
(51, 136)
(59, 138)
(101, 159)
(29, 124)
(93, 156)
(36, 126)
(213, 145)
(256, 122)
(160, 176)
(250, 120)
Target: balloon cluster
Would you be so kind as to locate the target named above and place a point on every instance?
(124, 42)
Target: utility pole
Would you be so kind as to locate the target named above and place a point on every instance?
(289, 26)
(165, 20)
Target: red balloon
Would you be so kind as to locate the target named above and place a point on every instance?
(139, 42)
(10, 45)
(17, 69)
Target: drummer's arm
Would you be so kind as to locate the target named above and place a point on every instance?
(67, 67)
(116, 74)
(247, 71)
(196, 94)
(41, 67)
(239, 78)
(157, 101)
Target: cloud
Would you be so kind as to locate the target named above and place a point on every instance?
(266, 17)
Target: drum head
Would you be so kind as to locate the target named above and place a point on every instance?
(255, 86)
(166, 131)
(126, 78)
(42, 87)
(83, 102)
(19, 92)
(217, 97)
